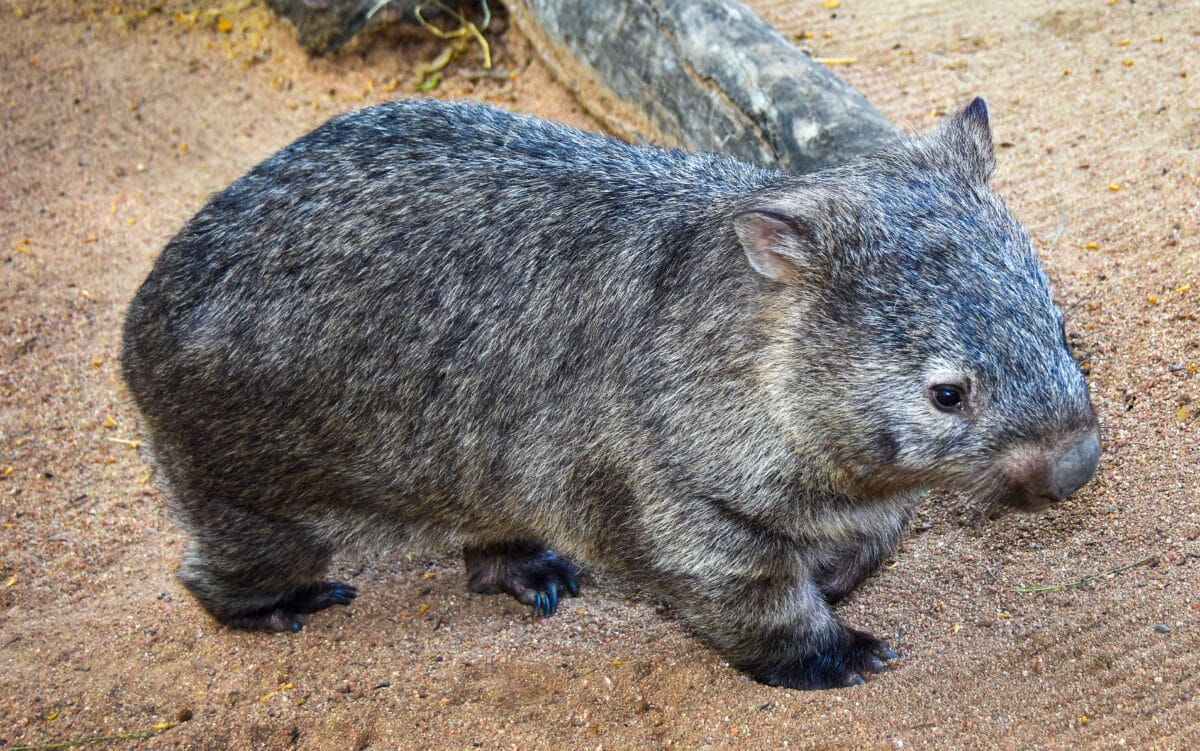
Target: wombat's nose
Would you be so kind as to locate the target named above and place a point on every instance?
(1074, 468)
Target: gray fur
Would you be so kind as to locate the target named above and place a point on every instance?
(441, 323)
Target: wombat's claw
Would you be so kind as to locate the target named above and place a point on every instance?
(546, 604)
(871, 654)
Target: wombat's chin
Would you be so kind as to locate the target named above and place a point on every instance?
(1022, 500)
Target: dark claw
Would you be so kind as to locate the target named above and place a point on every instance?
(295, 626)
(873, 664)
(553, 599)
(573, 587)
(342, 594)
(537, 604)
(858, 681)
(889, 654)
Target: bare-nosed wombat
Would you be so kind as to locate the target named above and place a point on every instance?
(442, 322)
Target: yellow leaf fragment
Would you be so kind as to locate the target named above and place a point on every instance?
(835, 60)
(224, 25)
(1152, 299)
(1183, 414)
(163, 725)
(1124, 43)
(1091, 246)
(1127, 63)
(53, 716)
(12, 582)
(1083, 720)
(422, 610)
(832, 4)
(8, 471)
(110, 422)
(1183, 288)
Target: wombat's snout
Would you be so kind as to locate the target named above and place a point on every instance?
(1074, 468)
(1039, 478)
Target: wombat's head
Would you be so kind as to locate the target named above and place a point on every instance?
(916, 342)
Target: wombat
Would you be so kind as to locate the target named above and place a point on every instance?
(434, 322)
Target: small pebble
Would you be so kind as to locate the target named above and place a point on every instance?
(1163, 628)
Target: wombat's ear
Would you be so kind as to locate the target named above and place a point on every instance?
(969, 134)
(777, 245)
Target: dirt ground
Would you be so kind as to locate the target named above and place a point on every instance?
(118, 123)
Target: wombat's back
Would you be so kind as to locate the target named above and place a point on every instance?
(358, 321)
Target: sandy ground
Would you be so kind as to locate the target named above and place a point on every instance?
(116, 127)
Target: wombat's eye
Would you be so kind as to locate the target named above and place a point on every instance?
(947, 397)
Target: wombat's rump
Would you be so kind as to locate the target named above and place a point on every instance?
(445, 323)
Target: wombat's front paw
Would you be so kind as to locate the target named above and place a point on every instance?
(525, 570)
(842, 664)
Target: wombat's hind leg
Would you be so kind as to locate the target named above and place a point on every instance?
(524, 569)
(263, 587)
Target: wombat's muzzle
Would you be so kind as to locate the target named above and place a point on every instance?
(1039, 478)
(1074, 468)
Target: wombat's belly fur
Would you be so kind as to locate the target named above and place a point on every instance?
(442, 322)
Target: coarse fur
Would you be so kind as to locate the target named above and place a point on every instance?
(444, 323)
